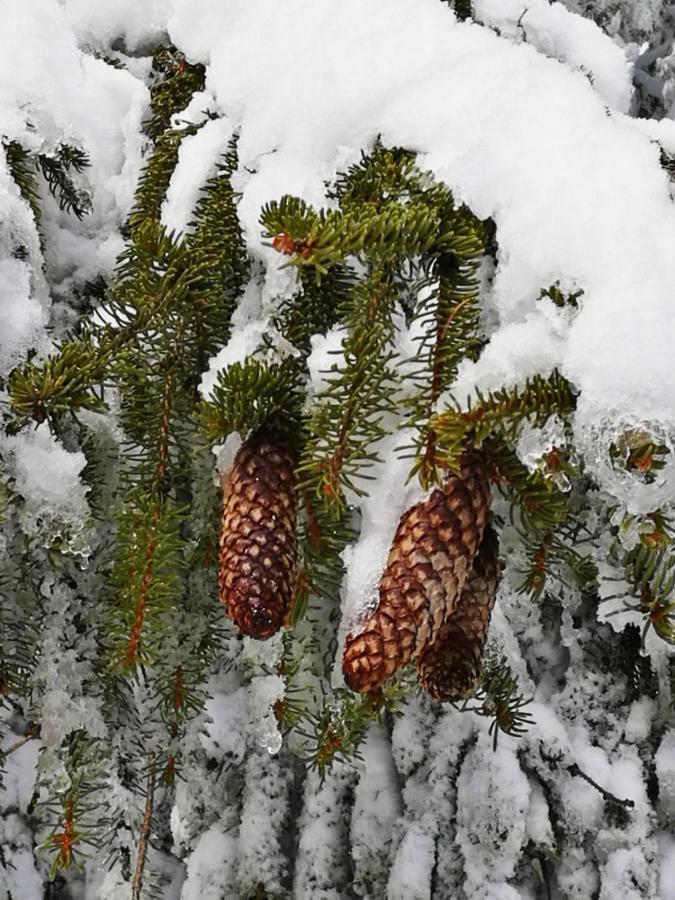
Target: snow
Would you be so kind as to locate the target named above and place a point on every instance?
(664, 761)
(244, 342)
(210, 866)
(47, 476)
(46, 472)
(410, 876)
(197, 158)
(135, 22)
(326, 356)
(491, 844)
(558, 33)
(667, 873)
(388, 498)
(226, 733)
(21, 315)
(23, 290)
(376, 809)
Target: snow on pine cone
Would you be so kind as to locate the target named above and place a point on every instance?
(258, 543)
(450, 666)
(429, 562)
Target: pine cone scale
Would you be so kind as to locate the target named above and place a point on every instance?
(429, 562)
(450, 667)
(258, 543)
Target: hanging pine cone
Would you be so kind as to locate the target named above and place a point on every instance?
(450, 667)
(258, 544)
(429, 562)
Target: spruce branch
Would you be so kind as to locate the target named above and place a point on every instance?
(22, 169)
(500, 699)
(502, 411)
(650, 572)
(154, 179)
(216, 239)
(30, 735)
(57, 169)
(146, 577)
(247, 395)
(348, 417)
(316, 308)
(577, 772)
(384, 175)
(75, 810)
(561, 299)
(449, 318)
(542, 507)
(173, 82)
(338, 729)
(322, 538)
(156, 277)
(391, 232)
(144, 837)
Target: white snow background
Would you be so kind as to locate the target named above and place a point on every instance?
(526, 117)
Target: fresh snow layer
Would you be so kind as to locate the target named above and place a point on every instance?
(577, 191)
(137, 23)
(196, 158)
(556, 32)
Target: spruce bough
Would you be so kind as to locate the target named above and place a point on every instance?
(393, 251)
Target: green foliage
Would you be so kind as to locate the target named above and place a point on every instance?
(502, 412)
(383, 232)
(217, 240)
(349, 417)
(406, 231)
(146, 578)
(637, 451)
(22, 169)
(340, 726)
(155, 177)
(74, 808)
(174, 81)
(449, 321)
(462, 9)
(650, 572)
(499, 698)
(146, 344)
(395, 248)
(249, 394)
(316, 308)
(556, 295)
(58, 169)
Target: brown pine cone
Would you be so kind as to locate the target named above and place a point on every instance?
(429, 562)
(450, 667)
(258, 543)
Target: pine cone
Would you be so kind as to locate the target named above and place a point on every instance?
(258, 543)
(429, 562)
(450, 667)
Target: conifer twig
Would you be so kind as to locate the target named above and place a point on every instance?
(17, 745)
(137, 882)
(575, 770)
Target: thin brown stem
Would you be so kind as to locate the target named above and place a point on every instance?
(146, 825)
(17, 745)
(575, 770)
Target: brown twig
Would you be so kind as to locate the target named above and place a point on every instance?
(575, 770)
(137, 883)
(17, 745)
